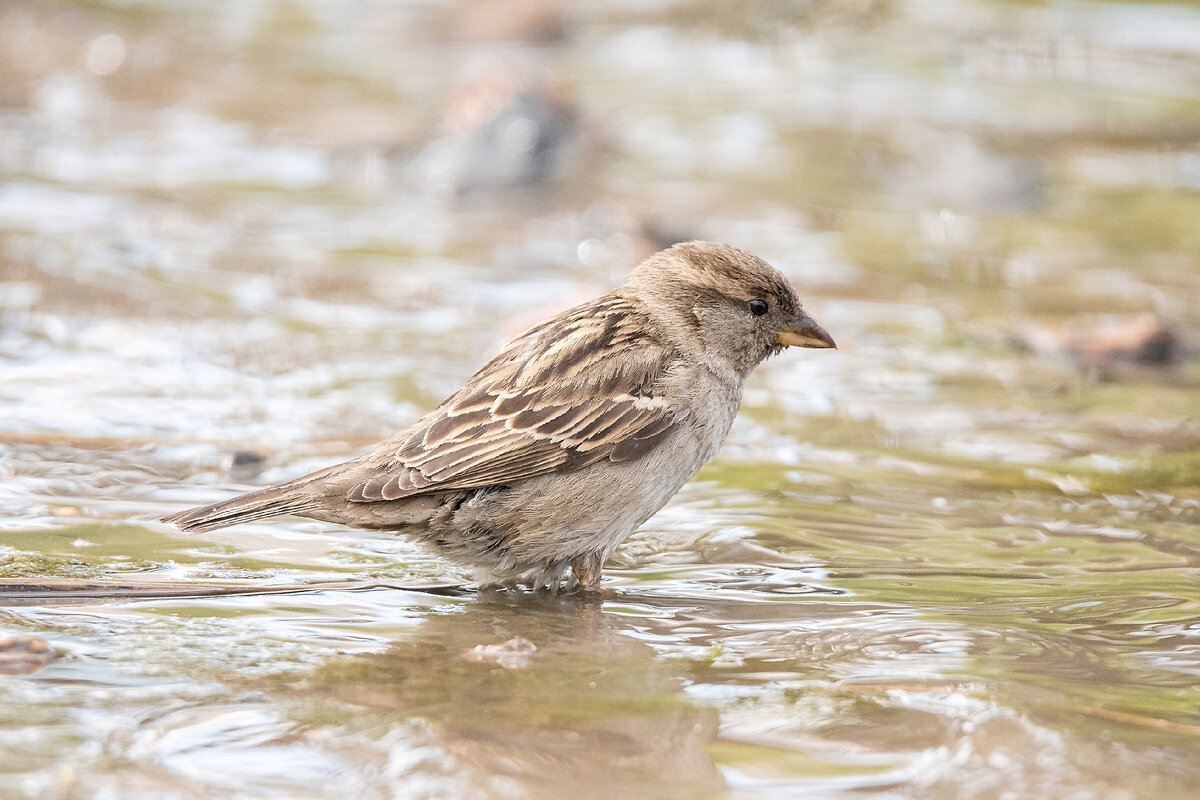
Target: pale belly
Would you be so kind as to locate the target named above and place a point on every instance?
(592, 510)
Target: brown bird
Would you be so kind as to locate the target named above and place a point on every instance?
(575, 434)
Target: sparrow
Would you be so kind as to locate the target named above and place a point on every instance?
(574, 435)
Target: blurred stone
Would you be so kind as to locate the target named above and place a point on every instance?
(1142, 340)
(22, 655)
(503, 130)
(244, 465)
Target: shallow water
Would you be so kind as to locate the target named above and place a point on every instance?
(957, 558)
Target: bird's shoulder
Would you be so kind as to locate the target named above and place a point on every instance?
(611, 343)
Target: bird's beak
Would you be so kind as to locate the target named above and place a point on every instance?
(803, 331)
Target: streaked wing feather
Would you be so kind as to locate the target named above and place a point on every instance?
(520, 415)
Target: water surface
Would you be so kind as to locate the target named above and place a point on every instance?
(958, 558)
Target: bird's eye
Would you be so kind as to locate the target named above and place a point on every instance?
(758, 307)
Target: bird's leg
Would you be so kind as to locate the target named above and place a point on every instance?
(586, 569)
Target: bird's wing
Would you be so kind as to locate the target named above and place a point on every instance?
(577, 389)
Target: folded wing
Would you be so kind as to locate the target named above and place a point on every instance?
(577, 389)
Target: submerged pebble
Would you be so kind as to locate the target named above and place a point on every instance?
(23, 655)
(513, 654)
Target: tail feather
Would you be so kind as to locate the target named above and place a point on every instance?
(295, 497)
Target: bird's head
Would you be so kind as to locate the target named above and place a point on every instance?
(724, 304)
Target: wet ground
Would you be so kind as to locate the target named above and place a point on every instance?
(960, 558)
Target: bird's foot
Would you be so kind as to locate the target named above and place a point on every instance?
(586, 569)
(598, 593)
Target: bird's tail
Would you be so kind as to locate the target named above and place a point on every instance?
(294, 497)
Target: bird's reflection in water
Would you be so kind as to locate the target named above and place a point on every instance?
(589, 713)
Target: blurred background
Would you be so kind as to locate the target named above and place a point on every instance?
(957, 558)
